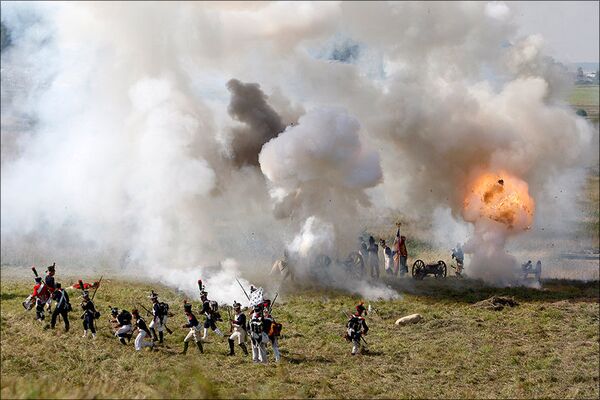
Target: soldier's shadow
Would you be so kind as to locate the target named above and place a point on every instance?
(371, 353)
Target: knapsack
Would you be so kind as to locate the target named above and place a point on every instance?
(125, 317)
(256, 326)
(214, 306)
(163, 308)
(354, 324)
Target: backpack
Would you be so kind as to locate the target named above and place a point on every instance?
(214, 306)
(163, 308)
(354, 324)
(125, 317)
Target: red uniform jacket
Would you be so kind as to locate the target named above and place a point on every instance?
(42, 292)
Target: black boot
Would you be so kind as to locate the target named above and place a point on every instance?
(122, 340)
(185, 347)
(161, 337)
(153, 331)
(231, 349)
(243, 346)
(199, 344)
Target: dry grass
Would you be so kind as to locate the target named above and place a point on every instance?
(546, 347)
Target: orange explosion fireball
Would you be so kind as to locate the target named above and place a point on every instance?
(502, 198)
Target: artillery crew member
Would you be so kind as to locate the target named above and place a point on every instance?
(63, 306)
(258, 336)
(194, 332)
(211, 313)
(401, 254)
(357, 326)
(388, 257)
(239, 330)
(143, 331)
(160, 313)
(272, 329)
(41, 294)
(459, 256)
(122, 320)
(373, 250)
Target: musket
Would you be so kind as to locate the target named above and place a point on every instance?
(248, 297)
(97, 287)
(273, 302)
(230, 320)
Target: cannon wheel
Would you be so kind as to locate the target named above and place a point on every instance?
(442, 270)
(417, 269)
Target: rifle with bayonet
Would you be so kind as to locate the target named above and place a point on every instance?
(244, 290)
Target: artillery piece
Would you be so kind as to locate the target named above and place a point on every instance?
(420, 270)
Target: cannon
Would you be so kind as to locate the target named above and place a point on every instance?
(420, 270)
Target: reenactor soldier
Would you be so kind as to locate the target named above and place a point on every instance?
(122, 322)
(143, 331)
(459, 256)
(272, 329)
(401, 254)
(194, 326)
(63, 306)
(356, 327)
(41, 295)
(49, 278)
(89, 315)
(239, 330)
(373, 261)
(160, 314)
(258, 336)
(210, 309)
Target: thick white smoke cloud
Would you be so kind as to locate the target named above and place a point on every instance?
(117, 141)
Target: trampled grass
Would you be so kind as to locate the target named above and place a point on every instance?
(545, 347)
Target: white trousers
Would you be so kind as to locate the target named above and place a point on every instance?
(217, 331)
(193, 333)
(259, 350)
(155, 323)
(140, 342)
(239, 334)
(122, 330)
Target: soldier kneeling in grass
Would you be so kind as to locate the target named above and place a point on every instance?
(143, 331)
(122, 323)
(194, 332)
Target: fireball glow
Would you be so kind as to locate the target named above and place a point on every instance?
(502, 198)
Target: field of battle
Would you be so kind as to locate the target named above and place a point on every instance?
(296, 200)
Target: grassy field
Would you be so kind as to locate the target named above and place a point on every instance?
(545, 347)
(588, 98)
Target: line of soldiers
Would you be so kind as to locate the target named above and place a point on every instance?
(259, 326)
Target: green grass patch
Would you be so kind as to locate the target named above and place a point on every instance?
(545, 347)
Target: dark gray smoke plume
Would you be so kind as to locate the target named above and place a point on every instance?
(249, 106)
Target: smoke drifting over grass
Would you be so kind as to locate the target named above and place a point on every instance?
(121, 141)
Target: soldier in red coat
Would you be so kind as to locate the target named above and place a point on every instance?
(41, 294)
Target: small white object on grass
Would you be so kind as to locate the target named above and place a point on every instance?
(409, 319)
